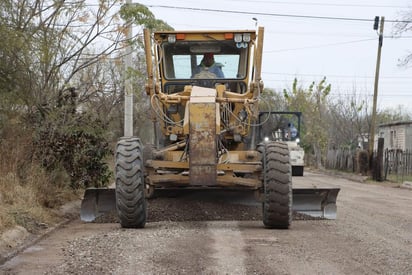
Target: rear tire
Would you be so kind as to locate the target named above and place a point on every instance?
(130, 200)
(277, 183)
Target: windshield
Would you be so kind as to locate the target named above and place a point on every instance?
(204, 60)
(228, 64)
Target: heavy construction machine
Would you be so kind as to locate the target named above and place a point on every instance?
(280, 126)
(206, 128)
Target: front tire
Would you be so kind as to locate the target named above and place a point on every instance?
(277, 183)
(130, 200)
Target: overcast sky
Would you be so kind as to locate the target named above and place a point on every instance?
(308, 48)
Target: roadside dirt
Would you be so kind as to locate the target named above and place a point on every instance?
(208, 235)
(15, 240)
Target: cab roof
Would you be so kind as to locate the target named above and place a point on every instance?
(189, 35)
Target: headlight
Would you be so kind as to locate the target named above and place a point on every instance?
(238, 37)
(246, 37)
(171, 38)
(266, 139)
(298, 140)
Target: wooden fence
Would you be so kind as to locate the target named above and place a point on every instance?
(398, 162)
(395, 162)
(341, 159)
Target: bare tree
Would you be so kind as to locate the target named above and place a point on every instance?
(348, 120)
(403, 26)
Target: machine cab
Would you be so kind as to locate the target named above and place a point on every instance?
(204, 59)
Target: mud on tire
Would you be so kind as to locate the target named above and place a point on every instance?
(277, 183)
(130, 200)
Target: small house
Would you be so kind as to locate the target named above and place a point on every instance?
(397, 135)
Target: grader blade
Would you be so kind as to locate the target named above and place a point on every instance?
(316, 202)
(96, 202)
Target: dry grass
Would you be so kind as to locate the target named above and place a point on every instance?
(399, 178)
(28, 195)
(30, 204)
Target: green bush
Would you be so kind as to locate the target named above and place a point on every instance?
(74, 141)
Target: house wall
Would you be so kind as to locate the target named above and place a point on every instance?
(408, 137)
(397, 136)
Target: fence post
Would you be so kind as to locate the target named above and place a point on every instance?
(377, 175)
(386, 164)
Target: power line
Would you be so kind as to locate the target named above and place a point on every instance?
(370, 95)
(277, 14)
(396, 37)
(340, 76)
(404, 83)
(343, 84)
(323, 4)
(295, 3)
(320, 46)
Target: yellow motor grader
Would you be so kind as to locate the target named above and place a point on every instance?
(204, 88)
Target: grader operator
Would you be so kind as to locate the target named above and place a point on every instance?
(206, 124)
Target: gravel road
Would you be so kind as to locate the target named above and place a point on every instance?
(206, 235)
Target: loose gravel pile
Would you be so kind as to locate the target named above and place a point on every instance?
(201, 206)
(198, 206)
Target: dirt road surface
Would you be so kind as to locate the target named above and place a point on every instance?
(372, 235)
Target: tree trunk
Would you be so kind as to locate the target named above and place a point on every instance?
(318, 155)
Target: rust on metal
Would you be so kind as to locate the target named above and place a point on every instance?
(202, 137)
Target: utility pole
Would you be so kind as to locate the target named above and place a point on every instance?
(375, 90)
(128, 96)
